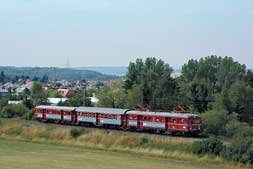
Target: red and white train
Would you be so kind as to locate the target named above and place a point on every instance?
(125, 119)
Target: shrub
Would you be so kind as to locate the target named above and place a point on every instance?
(75, 132)
(14, 110)
(214, 122)
(209, 146)
(240, 150)
(144, 140)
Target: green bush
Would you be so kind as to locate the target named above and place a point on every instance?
(214, 122)
(241, 150)
(15, 110)
(75, 132)
(209, 146)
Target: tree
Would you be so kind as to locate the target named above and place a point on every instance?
(2, 77)
(209, 76)
(44, 79)
(53, 93)
(158, 88)
(249, 78)
(134, 97)
(38, 94)
(36, 78)
(113, 96)
(215, 122)
(90, 91)
(99, 84)
(77, 100)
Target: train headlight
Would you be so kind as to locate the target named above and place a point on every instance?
(184, 127)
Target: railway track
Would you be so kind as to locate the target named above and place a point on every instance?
(136, 133)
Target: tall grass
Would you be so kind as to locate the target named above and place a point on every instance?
(102, 139)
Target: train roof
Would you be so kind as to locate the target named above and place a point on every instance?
(56, 107)
(164, 114)
(118, 111)
(101, 110)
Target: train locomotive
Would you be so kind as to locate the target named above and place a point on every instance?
(124, 119)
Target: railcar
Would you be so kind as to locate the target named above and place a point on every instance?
(103, 117)
(55, 114)
(164, 122)
(160, 122)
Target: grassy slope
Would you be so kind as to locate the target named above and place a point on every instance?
(137, 146)
(22, 155)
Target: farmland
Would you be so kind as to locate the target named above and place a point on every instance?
(26, 155)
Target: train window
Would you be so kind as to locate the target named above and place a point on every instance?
(135, 117)
(145, 118)
(157, 120)
(101, 115)
(182, 121)
(174, 120)
(197, 121)
(130, 117)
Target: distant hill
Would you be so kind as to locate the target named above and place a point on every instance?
(61, 73)
(117, 70)
(110, 70)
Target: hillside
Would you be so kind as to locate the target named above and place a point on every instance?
(116, 70)
(110, 70)
(61, 73)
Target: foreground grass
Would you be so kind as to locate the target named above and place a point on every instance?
(104, 140)
(23, 155)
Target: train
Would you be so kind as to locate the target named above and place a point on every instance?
(122, 119)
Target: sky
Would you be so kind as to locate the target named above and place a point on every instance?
(114, 32)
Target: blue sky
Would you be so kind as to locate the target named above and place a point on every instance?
(113, 32)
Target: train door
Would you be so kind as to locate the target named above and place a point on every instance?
(44, 113)
(61, 113)
(139, 123)
(122, 120)
(98, 119)
(166, 123)
(74, 116)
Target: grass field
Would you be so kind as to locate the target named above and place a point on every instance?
(25, 155)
